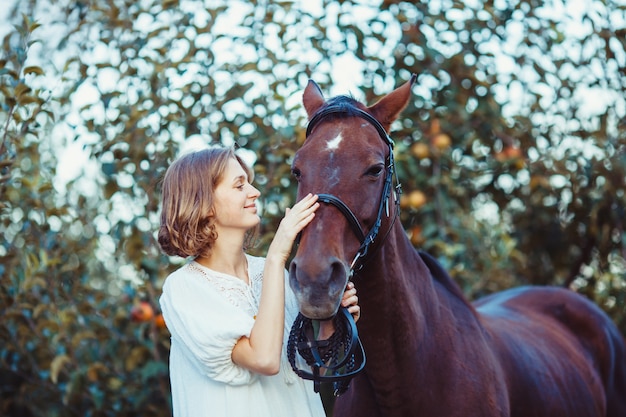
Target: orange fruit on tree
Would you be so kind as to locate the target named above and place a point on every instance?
(160, 321)
(420, 150)
(404, 201)
(416, 199)
(142, 312)
(508, 153)
(441, 141)
(435, 126)
(415, 235)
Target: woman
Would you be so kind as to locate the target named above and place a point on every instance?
(228, 312)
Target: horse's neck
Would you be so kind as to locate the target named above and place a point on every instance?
(406, 313)
(396, 297)
(400, 276)
(395, 289)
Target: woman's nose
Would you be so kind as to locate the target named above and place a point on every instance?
(254, 192)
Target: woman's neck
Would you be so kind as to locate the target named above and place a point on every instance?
(227, 259)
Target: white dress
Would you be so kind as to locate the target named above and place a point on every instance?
(207, 312)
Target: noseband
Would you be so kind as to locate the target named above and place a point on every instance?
(342, 356)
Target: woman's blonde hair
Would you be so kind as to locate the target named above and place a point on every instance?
(187, 193)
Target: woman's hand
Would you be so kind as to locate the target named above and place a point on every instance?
(296, 219)
(350, 301)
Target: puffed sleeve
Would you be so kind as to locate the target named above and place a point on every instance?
(291, 303)
(206, 324)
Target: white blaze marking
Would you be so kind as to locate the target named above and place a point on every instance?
(334, 144)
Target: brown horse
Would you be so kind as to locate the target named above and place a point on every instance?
(532, 351)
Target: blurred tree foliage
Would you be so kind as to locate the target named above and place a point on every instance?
(512, 158)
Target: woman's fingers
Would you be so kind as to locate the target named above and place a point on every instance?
(355, 311)
(351, 301)
(296, 219)
(300, 215)
(349, 298)
(305, 207)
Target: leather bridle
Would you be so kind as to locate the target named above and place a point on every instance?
(366, 240)
(342, 357)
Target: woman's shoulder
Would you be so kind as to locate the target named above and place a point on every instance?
(187, 274)
(192, 280)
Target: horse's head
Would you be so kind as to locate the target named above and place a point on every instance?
(347, 159)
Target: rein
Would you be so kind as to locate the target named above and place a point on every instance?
(342, 357)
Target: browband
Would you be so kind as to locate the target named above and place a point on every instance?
(338, 108)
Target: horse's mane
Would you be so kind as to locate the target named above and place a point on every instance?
(347, 104)
(441, 276)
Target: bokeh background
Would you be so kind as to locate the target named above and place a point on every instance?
(511, 153)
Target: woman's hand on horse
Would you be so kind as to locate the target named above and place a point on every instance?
(296, 219)
(350, 301)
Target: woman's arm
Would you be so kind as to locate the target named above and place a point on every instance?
(262, 350)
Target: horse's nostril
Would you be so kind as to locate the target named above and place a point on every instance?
(293, 280)
(338, 277)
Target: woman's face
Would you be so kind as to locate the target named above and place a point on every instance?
(235, 200)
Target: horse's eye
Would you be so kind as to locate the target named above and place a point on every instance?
(375, 171)
(296, 173)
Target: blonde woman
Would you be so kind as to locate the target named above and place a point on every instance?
(229, 313)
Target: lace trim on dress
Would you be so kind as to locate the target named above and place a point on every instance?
(236, 292)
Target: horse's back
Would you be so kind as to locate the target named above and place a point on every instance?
(559, 351)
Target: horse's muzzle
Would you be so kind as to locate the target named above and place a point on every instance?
(318, 287)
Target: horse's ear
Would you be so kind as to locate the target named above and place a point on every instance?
(388, 108)
(312, 98)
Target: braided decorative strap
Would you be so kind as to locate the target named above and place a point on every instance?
(337, 359)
